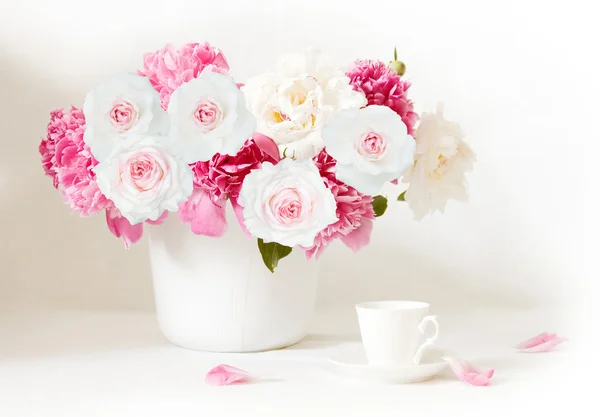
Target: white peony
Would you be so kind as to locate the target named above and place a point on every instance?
(208, 115)
(441, 161)
(144, 179)
(294, 103)
(126, 103)
(287, 203)
(371, 146)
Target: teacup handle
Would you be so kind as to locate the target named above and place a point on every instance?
(429, 342)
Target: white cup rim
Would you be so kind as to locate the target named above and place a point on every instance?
(392, 305)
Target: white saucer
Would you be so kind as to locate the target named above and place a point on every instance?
(350, 361)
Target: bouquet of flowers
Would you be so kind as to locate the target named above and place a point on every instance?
(301, 152)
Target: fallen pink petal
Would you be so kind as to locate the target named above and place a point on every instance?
(467, 373)
(543, 342)
(227, 375)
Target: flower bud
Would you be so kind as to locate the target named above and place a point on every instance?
(399, 67)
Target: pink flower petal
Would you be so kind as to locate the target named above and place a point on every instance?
(160, 220)
(221, 61)
(239, 210)
(543, 342)
(489, 373)
(545, 346)
(227, 375)
(205, 216)
(467, 373)
(478, 380)
(534, 341)
(267, 145)
(359, 237)
(120, 227)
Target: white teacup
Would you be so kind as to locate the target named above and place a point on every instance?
(392, 331)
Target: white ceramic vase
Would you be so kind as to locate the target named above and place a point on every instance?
(216, 294)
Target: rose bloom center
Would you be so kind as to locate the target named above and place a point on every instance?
(372, 146)
(123, 115)
(286, 206)
(208, 115)
(145, 172)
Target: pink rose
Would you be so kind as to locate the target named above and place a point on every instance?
(287, 203)
(144, 180)
(371, 146)
(208, 115)
(123, 115)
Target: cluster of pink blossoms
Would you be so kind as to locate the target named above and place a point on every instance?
(67, 159)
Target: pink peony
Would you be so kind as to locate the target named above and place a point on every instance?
(354, 211)
(67, 159)
(383, 86)
(168, 68)
(223, 174)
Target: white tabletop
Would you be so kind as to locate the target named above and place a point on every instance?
(84, 364)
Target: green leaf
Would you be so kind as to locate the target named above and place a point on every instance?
(380, 204)
(401, 196)
(272, 252)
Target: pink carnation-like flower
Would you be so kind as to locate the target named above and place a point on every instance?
(67, 159)
(354, 211)
(223, 174)
(56, 131)
(169, 67)
(384, 87)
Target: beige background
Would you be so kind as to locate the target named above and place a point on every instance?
(522, 96)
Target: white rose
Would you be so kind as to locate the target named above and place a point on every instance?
(371, 146)
(126, 103)
(287, 203)
(294, 103)
(208, 115)
(144, 179)
(441, 161)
